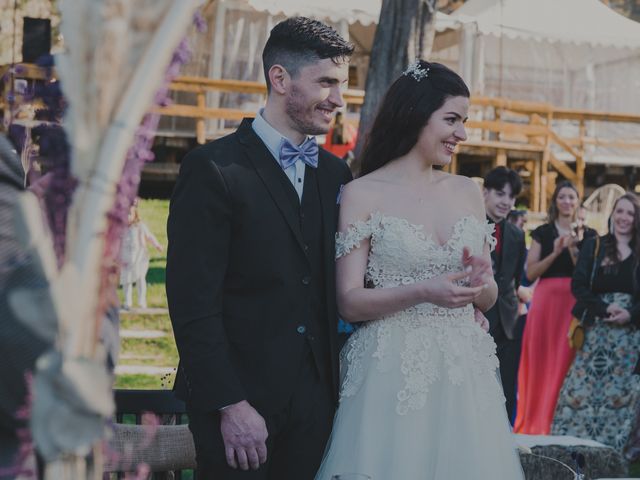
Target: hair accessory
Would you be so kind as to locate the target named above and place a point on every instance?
(416, 71)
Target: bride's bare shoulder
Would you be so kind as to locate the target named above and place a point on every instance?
(466, 192)
(366, 189)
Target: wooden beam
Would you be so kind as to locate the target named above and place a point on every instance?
(561, 141)
(562, 168)
(570, 114)
(240, 86)
(504, 127)
(558, 113)
(601, 142)
(508, 146)
(201, 84)
(515, 105)
(194, 111)
(501, 158)
(200, 121)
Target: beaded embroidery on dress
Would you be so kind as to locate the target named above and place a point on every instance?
(419, 387)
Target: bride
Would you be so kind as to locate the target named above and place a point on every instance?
(419, 397)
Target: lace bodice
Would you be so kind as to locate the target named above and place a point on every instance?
(428, 335)
(401, 253)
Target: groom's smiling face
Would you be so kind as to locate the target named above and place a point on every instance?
(314, 94)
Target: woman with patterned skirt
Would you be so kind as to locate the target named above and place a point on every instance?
(599, 397)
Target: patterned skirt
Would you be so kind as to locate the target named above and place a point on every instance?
(600, 396)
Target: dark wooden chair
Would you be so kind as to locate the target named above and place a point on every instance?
(150, 429)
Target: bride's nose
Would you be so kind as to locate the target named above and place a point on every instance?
(461, 133)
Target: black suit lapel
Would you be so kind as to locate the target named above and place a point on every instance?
(271, 174)
(328, 200)
(508, 256)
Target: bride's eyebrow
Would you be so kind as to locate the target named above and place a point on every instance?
(458, 116)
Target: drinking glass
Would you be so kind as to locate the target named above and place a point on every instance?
(351, 476)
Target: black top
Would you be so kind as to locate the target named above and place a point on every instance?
(614, 278)
(562, 266)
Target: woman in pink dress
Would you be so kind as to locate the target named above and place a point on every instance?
(546, 356)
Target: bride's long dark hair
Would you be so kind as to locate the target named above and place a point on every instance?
(405, 110)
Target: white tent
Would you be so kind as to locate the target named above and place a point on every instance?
(570, 53)
(366, 12)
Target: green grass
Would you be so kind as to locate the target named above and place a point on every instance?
(162, 349)
(142, 382)
(138, 321)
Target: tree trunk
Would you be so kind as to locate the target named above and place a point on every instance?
(402, 35)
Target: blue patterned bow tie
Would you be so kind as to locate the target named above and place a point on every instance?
(307, 152)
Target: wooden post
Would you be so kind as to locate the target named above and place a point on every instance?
(453, 166)
(501, 158)
(580, 164)
(544, 166)
(536, 186)
(200, 122)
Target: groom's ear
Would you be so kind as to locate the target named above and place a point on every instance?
(279, 79)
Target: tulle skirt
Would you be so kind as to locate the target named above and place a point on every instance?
(421, 401)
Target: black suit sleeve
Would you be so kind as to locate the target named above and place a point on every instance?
(198, 230)
(522, 258)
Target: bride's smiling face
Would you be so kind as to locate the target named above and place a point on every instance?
(444, 130)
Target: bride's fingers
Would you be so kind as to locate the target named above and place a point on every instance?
(465, 295)
(454, 277)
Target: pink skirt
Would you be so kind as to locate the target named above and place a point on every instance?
(546, 356)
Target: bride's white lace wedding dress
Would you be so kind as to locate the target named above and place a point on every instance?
(420, 398)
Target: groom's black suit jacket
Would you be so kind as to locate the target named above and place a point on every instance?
(239, 279)
(507, 269)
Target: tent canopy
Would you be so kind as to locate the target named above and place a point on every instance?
(365, 12)
(568, 21)
(571, 53)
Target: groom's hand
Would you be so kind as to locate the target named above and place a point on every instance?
(244, 433)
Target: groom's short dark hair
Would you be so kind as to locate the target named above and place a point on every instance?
(299, 41)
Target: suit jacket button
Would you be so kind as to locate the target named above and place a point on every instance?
(306, 280)
(301, 329)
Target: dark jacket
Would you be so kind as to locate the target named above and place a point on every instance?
(588, 304)
(238, 274)
(507, 273)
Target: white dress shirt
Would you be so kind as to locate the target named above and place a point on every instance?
(273, 139)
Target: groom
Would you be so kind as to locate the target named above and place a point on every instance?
(250, 270)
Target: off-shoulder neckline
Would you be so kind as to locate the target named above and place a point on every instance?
(420, 227)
